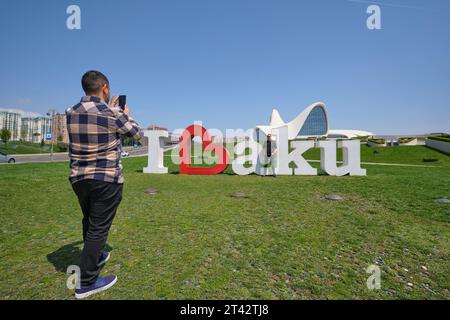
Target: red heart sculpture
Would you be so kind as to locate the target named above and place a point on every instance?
(207, 145)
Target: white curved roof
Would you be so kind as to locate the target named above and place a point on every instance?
(350, 133)
(296, 124)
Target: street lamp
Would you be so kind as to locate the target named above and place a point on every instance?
(51, 113)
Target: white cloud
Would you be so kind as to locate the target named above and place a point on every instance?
(25, 101)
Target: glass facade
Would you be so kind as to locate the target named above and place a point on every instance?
(316, 123)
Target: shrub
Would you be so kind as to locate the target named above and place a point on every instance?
(61, 147)
(377, 141)
(445, 138)
(405, 140)
(363, 139)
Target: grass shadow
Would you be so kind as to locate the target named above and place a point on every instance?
(68, 255)
(438, 151)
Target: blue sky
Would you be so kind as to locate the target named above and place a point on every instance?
(229, 62)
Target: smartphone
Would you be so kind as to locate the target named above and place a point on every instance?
(122, 101)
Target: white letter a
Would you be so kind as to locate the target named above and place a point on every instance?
(74, 20)
(374, 21)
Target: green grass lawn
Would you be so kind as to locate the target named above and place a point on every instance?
(23, 147)
(194, 241)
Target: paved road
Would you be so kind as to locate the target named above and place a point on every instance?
(65, 157)
(144, 150)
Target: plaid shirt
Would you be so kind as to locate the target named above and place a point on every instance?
(95, 146)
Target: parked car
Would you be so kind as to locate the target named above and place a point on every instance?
(4, 158)
(125, 154)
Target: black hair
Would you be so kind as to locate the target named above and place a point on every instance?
(93, 81)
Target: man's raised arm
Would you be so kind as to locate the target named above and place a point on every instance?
(127, 126)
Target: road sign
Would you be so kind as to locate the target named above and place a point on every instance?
(48, 136)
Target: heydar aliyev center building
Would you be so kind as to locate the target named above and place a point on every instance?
(312, 122)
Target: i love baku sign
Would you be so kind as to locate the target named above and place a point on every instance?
(250, 156)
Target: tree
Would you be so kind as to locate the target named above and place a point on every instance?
(23, 134)
(62, 147)
(127, 141)
(36, 136)
(5, 135)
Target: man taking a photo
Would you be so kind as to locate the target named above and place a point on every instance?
(94, 128)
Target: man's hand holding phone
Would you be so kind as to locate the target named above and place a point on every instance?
(120, 101)
(126, 111)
